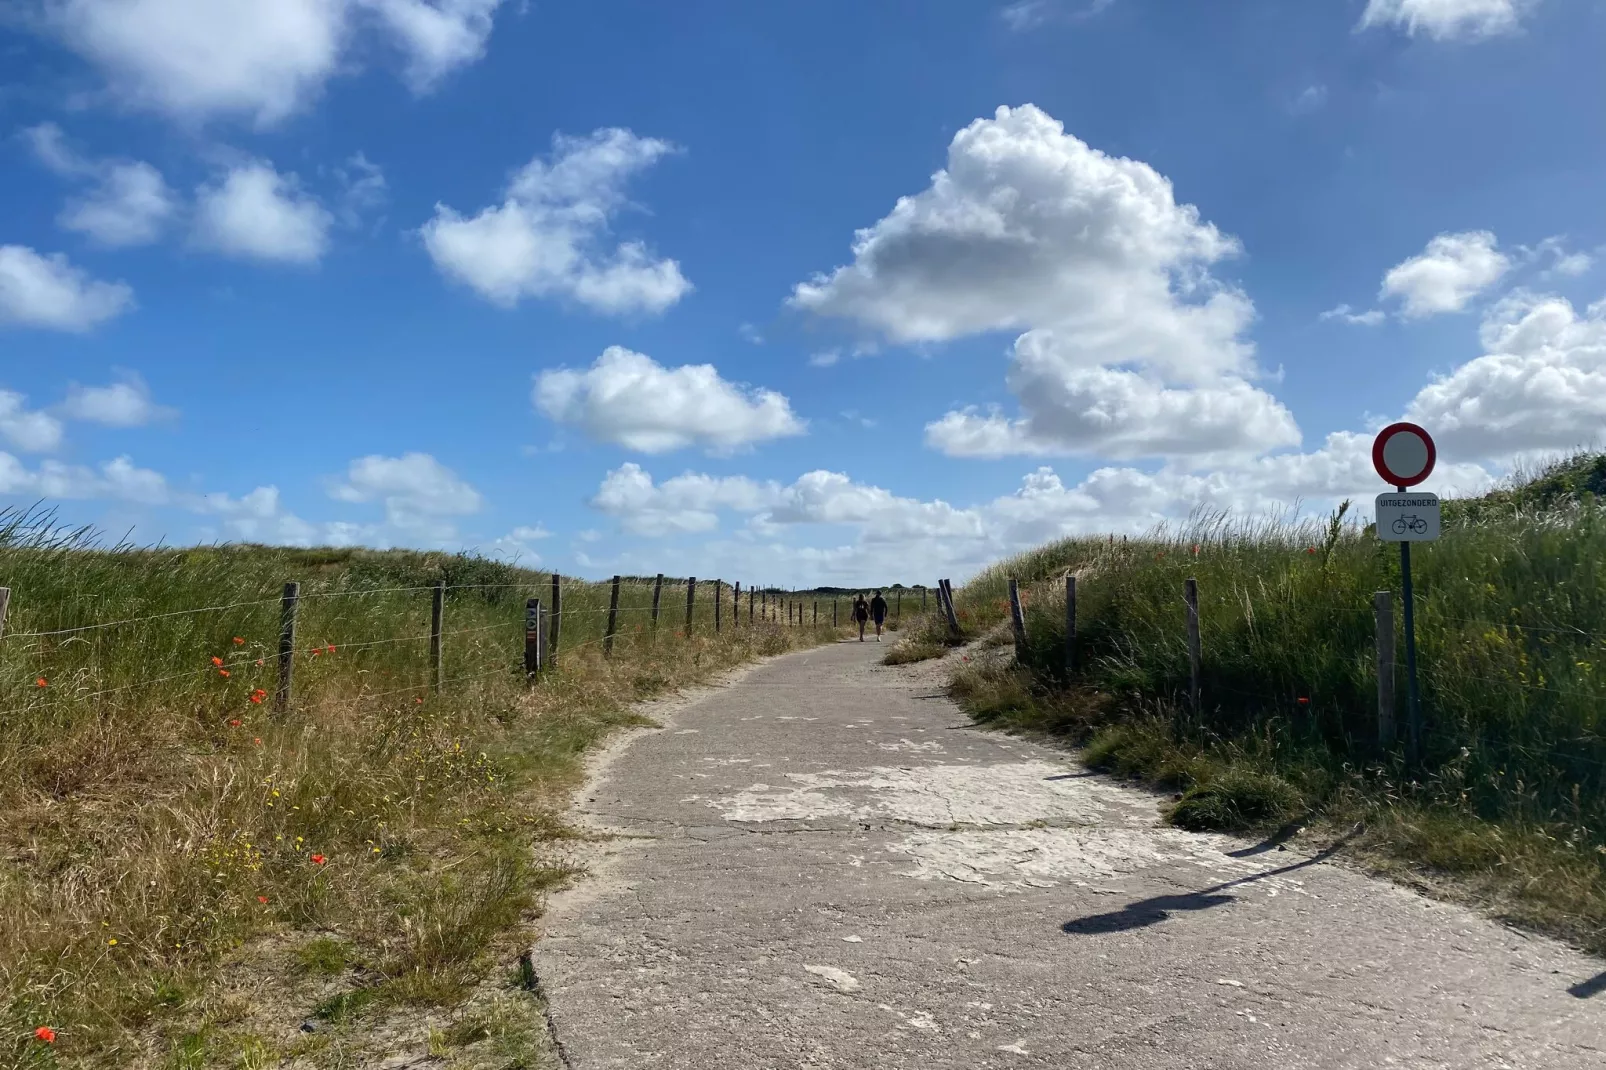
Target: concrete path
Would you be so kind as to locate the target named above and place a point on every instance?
(826, 867)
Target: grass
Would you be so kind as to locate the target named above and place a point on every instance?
(1509, 801)
(183, 872)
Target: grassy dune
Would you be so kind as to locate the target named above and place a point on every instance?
(1509, 803)
(184, 875)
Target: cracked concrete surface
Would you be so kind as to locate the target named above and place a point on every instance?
(824, 866)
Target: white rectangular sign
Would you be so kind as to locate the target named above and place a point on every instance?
(1407, 517)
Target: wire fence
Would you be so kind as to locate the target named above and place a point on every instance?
(258, 651)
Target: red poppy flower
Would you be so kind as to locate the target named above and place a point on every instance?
(418, 701)
(41, 682)
(256, 700)
(330, 648)
(1303, 701)
(315, 652)
(238, 641)
(46, 1034)
(318, 860)
(256, 742)
(262, 899)
(1195, 548)
(223, 672)
(1310, 549)
(235, 723)
(217, 661)
(259, 661)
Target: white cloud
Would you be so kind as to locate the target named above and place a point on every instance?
(365, 189)
(438, 35)
(116, 480)
(1447, 275)
(629, 399)
(257, 213)
(530, 534)
(130, 204)
(516, 544)
(1131, 347)
(418, 492)
(48, 292)
(258, 59)
(1308, 100)
(1370, 318)
(750, 333)
(195, 58)
(259, 517)
(687, 503)
(547, 237)
(1572, 263)
(1540, 385)
(1029, 227)
(1448, 19)
(49, 145)
(1025, 15)
(123, 404)
(28, 430)
(1562, 262)
(825, 358)
(1118, 414)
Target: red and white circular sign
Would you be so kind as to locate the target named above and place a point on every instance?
(1404, 454)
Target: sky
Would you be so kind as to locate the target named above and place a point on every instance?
(845, 292)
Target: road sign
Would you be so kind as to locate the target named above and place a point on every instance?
(1403, 454)
(1407, 517)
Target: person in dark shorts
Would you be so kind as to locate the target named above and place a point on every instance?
(878, 613)
(861, 613)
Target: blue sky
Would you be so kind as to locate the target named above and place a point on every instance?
(779, 292)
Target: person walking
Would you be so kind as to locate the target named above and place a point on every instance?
(861, 612)
(878, 613)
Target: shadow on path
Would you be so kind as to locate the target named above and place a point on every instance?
(1275, 840)
(1146, 912)
(1594, 986)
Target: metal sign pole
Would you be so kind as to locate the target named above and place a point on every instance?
(1413, 728)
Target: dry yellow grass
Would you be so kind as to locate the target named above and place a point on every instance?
(185, 878)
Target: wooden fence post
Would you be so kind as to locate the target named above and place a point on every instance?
(613, 620)
(736, 603)
(5, 604)
(751, 596)
(922, 599)
(1017, 621)
(1070, 624)
(946, 593)
(833, 613)
(556, 622)
(764, 604)
(532, 639)
(287, 644)
(816, 613)
(437, 615)
(718, 602)
(657, 593)
(1383, 609)
(1190, 596)
(691, 601)
(897, 606)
